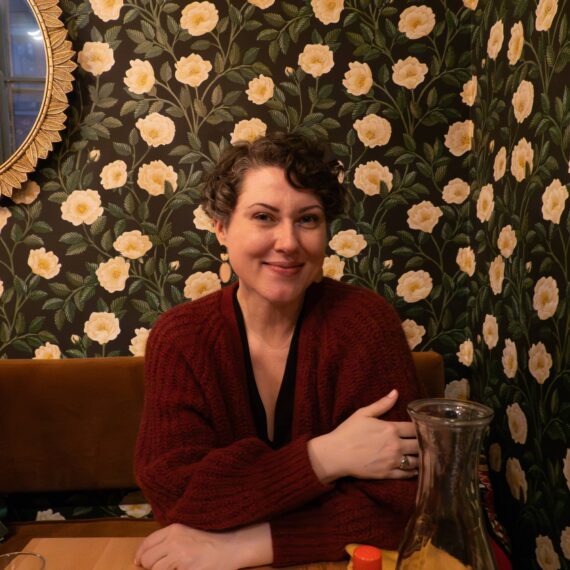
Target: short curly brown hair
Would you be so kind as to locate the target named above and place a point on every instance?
(305, 164)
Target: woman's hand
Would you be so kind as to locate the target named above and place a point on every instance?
(178, 547)
(366, 447)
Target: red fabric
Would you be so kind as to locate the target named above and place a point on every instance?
(503, 563)
(199, 460)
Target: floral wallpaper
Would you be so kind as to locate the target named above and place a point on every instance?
(520, 317)
(452, 120)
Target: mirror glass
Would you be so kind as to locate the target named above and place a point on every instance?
(22, 74)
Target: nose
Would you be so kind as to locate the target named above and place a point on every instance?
(285, 237)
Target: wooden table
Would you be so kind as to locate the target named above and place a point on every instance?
(118, 554)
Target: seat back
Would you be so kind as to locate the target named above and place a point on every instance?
(71, 424)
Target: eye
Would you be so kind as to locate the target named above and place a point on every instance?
(262, 217)
(310, 220)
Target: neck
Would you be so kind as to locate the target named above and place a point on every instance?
(271, 324)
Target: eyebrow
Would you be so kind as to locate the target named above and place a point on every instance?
(274, 209)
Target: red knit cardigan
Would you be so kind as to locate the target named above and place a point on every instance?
(199, 460)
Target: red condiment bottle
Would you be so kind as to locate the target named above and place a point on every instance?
(367, 558)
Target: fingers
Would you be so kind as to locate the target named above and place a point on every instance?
(381, 406)
(149, 542)
(405, 429)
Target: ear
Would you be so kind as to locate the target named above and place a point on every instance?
(220, 231)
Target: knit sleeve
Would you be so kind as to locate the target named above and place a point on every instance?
(356, 512)
(367, 511)
(184, 472)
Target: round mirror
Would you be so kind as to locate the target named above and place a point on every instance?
(35, 75)
(22, 74)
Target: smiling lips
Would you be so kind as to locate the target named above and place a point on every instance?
(284, 267)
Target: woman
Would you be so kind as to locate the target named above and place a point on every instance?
(261, 441)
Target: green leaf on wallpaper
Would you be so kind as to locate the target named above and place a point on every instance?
(130, 16)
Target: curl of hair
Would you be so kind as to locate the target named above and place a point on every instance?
(304, 162)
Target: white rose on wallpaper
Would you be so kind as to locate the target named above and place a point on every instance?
(1, 287)
(517, 423)
(316, 59)
(369, 176)
(485, 203)
(347, 243)
(260, 89)
(49, 515)
(373, 130)
(327, 11)
(4, 215)
(456, 191)
(471, 4)
(495, 460)
(154, 175)
(469, 93)
(523, 99)
(554, 201)
(545, 299)
(192, 70)
(466, 260)
(490, 331)
(539, 362)
(48, 351)
(516, 43)
(139, 78)
(516, 479)
(458, 389)
(545, 12)
(497, 274)
(500, 164)
(424, 216)
(200, 284)
(44, 263)
(510, 359)
(496, 37)
(414, 286)
(138, 510)
(96, 57)
(26, 194)
(459, 137)
(106, 10)
(202, 221)
(414, 332)
(199, 18)
(416, 22)
(82, 207)
(522, 155)
(388, 263)
(465, 352)
(507, 241)
(263, 4)
(133, 244)
(113, 274)
(102, 327)
(114, 175)
(94, 155)
(333, 267)
(156, 129)
(358, 79)
(409, 72)
(138, 342)
(565, 542)
(248, 130)
(545, 554)
(566, 468)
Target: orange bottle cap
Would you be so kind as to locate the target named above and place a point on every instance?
(367, 558)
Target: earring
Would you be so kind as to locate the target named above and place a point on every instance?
(225, 271)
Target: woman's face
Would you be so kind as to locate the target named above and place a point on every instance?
(275, 237)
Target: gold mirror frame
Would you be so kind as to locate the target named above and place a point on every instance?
(14, 172)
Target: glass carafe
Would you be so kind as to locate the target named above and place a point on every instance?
(446, 530)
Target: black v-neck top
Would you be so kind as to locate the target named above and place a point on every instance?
(286, 397)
